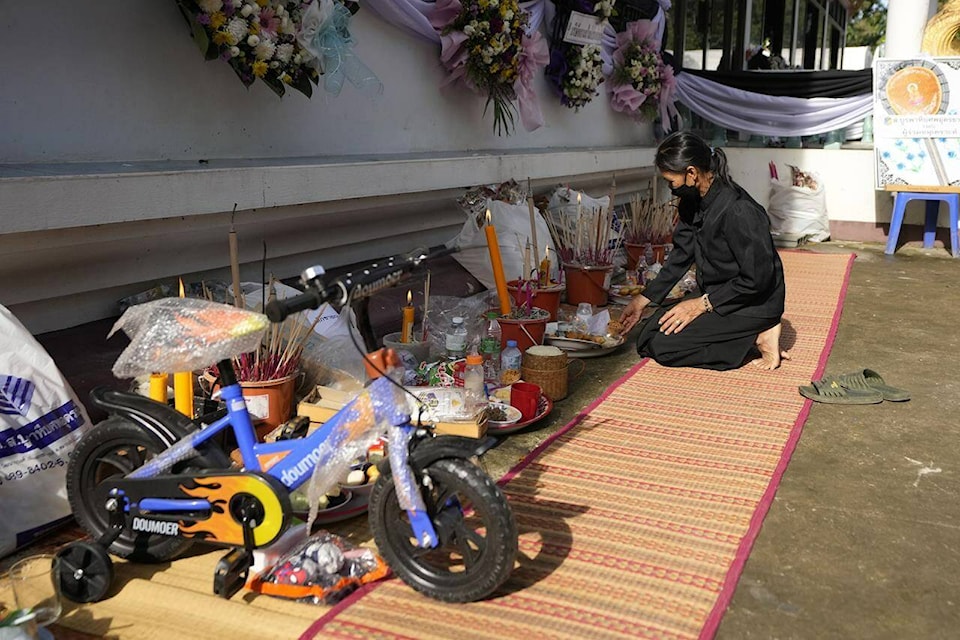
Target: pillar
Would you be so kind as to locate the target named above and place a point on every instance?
(905, 22)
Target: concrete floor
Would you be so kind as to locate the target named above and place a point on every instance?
(861, 541)
(862, 538)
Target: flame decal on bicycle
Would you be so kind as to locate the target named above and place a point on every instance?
(221, 526)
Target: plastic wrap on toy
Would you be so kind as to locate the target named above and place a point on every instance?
(359, 425)
(184, 334)
(182, 450)
(408, 494)
(322, 569)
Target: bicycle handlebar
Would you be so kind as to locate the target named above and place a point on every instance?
(351, 286)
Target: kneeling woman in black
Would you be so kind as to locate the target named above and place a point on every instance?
(726, 234)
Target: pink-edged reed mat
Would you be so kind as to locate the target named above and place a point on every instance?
(635, 519)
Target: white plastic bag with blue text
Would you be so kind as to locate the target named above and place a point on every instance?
(41, 421)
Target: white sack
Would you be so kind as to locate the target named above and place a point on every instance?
(512, 222)
(798, 211)
(41, 421)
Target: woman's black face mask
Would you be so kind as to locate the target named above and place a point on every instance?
(686, 191)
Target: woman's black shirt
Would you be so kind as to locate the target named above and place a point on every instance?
(727, 235)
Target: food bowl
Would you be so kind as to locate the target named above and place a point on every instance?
(512, 415)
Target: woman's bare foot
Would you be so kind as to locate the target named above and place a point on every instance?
(768, 343)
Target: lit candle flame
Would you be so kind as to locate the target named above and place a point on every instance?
(182, 293)
(488, 217)
(546, 253)
(578, 199)
(409, 297)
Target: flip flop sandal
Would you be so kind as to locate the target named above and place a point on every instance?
(867, 379)
(830, 391)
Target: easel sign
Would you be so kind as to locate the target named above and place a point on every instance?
(916, 123)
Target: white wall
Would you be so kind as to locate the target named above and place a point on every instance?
(108, 107)
(115, 80)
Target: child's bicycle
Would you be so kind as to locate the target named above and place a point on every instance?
(147, 482)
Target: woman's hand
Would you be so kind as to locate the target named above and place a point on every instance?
(631, 314)
(680, 315)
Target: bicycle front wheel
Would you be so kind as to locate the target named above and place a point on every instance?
(478, 535)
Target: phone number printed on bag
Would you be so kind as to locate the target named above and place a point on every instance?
(42, 432)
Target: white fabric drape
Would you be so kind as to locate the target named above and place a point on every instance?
(410, 15)
(765, 115)
(414, 15)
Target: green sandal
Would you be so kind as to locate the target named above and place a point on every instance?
(868, 379)
(830, 391)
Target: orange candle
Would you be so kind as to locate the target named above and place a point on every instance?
(497, 262)
(406, 328)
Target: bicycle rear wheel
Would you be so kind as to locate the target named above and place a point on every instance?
(115, 447)
(478, 535)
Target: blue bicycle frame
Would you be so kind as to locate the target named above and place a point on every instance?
(299, 456)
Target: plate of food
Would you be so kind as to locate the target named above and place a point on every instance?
(610, 344)
(569, 343)
(624, 293)
(544, 407)
(333, 508)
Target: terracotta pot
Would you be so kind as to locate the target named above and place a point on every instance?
(635, 251)
(547, 298)
(587, 284)
(270, 402)
(659, 252)
(526, 331)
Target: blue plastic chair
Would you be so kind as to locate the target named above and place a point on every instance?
(930, 223)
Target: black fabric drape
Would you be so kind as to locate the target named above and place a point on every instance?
(798, 84)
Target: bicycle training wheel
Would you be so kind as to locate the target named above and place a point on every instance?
(86, 571)
(115, 447)
(478, 535)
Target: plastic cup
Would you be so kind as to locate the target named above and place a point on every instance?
(525, 396)
(36, 587)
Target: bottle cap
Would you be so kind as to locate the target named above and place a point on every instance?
(491, 315)
(457, 320)
(511, 343)
(474, 358)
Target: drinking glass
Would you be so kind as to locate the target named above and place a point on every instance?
(36, 588)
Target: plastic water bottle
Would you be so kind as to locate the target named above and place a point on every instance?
(510, 363)
(584, 314)
(456, 340)
(473, 388)
(490, 349)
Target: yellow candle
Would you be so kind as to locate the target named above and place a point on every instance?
(406, 328)
(497, 262)
(183, 386)
(544, 271)
(183, 393)
(158, 387)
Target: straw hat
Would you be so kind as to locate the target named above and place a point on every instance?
(940, 38)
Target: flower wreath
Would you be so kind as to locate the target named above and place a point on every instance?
(641, 84)
(576, 70)
(281, 42)
(484, 44)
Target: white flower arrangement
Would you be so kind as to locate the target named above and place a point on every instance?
(576, 71)
(257, 38)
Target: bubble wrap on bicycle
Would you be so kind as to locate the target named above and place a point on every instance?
(360, 424)
(184, 334)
